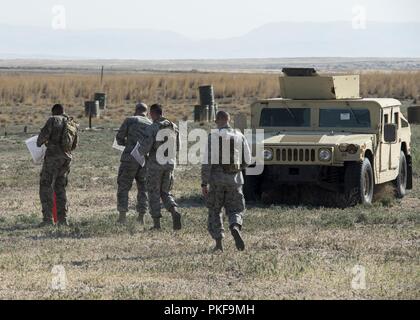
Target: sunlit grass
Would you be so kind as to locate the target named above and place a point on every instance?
(292, 252)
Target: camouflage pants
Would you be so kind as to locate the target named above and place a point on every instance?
(232, 199)
(128, 172)
(54, 178)
(160, 180)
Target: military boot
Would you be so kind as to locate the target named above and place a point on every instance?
(63, 223)
(62, 220)
(45, 223)
(156, 224)
(219, 245)
(122, 218)
(176, 219)
(236, 233)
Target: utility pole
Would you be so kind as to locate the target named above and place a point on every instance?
(102, 77)
(90, 117)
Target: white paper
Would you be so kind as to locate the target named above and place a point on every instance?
(37, 153)
(136, 155)
(345, 117)
(116, 146)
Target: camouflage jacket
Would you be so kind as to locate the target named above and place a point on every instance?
(51, 135)
(156, 138)
(212, 171)
(132, 130)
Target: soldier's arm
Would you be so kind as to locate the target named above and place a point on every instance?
(45, 133)
(247, 156)
(75, 142)
(206, 165)
(147, 144)
(122, 134)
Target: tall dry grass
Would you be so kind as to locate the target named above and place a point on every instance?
(40, 89)
(23, 97)
(32, 89)
(399, 85)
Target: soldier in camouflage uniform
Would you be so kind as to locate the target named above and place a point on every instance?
(161, 143)
(56, 167)
(133, 130)
(222, 180)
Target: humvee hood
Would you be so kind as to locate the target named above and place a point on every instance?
(317, 139)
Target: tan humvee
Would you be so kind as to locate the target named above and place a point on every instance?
(322, 133)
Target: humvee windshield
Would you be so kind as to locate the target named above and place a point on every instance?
(285, 117)
(348, 118)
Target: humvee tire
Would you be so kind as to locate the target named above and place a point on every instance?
(401, 181)
(359, 183)
(252, 188)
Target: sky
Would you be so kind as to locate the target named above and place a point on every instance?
(199, 19)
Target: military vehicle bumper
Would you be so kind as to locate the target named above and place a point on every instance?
(328, 177)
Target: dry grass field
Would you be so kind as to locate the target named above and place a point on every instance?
(26, 98)
(293, 252)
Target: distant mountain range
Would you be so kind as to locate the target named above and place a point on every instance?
(275, 40)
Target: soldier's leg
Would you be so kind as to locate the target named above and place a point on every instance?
(126, 174)
(141, 193)
(60, 185)
(235, 206)
(166, 188)
(215, 200)
(168, 199)
(235, 209)
(46, 190)
(153, 182)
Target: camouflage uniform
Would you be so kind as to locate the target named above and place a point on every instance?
(55, 169)
(160, 177)
(132, 130)
(225, 189)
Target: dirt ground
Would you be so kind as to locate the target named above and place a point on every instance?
(293, 252)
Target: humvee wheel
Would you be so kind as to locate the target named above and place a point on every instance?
(401, 181)
(359, 183)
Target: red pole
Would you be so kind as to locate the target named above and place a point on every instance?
(54, 211)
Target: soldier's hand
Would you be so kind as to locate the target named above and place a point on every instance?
(205, 191)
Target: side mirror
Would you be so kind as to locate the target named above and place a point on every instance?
(390, 133)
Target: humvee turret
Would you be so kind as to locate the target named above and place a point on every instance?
(323, 134)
